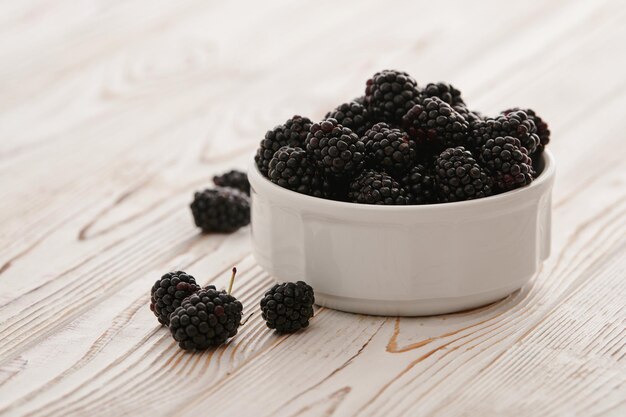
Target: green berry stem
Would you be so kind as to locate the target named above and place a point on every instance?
(232, 280)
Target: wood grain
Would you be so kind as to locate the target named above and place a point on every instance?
(113, 113)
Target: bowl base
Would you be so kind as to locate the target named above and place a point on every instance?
(412, 308)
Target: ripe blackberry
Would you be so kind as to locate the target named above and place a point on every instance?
(459, 177)
(471, 116)
(221, 210)
(335, 149)
(419, 184)
(372, 187)
(389, 94)
(435, 125)
(543, 131)
(389, 149)
(168, 293)
(292, 133)
(516, 124)
(446, 92)
(206, 318)
(508, 162)
(353, 115)
(288, 307)
(291, 169)
(233, 179)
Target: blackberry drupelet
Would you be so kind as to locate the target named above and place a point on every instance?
(335, 149)
(446, 92)
(508, 162)
(389, 94)
(291, 169)
(435, 125)
(459, 177)
(206, 318)
(389, 149)
(543, 131)
(168, 293)
(233, 179)
(372, 187)
(292, 133)
(516, 124)
(353, 115)
(288, 307)
(419, 184)
(471, 116)
(221, 210)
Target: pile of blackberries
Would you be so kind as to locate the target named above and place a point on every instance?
(402, 144)
(199, 318)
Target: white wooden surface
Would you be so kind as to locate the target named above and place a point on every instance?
(113, 113)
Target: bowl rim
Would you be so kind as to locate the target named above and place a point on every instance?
(547, 175)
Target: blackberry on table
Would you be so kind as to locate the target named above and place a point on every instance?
(233, 179)
(419, 183)
(221, 210)
(446, 92)
(292, 133)
(389, 94)
(508, 161)
(206, 318)
(459, 177)
(168, 292)
(288, 307)
(290, 168)
(543, 131)
(372, 187)
(516, 124)
(353, 115)
(388, 148)
(435, 125)
(335, 149)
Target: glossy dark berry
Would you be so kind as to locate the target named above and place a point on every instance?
(288, 307)
(508, 162)
(419, 183)
(446, 92)
(291, 133)
(353, 115)
(388, 148)
(459, 177)
(335, 149)
(233, 179)
(543, 131)
(291, 169)
(168, 292)
(516, 124)
(206, 318)
(389, 94)
(373, 187)
(221, 210)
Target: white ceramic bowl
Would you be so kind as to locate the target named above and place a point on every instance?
(404, 260)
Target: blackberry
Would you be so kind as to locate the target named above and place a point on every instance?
(543, 131)
(353, 115)
(291, 169)
(435, 125)
(516, 124)
(168, 293)
(206, 318)
(288, 307)
(446, 92)
(459, 177)
(372, 187)
(233, 179)
(221, 210)
(389, 149)
(508, 161)
(335, 149)
(389, 94)
(419, 184)
(292, 133)
(471, 116)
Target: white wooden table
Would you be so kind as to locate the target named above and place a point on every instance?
(113, 113)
